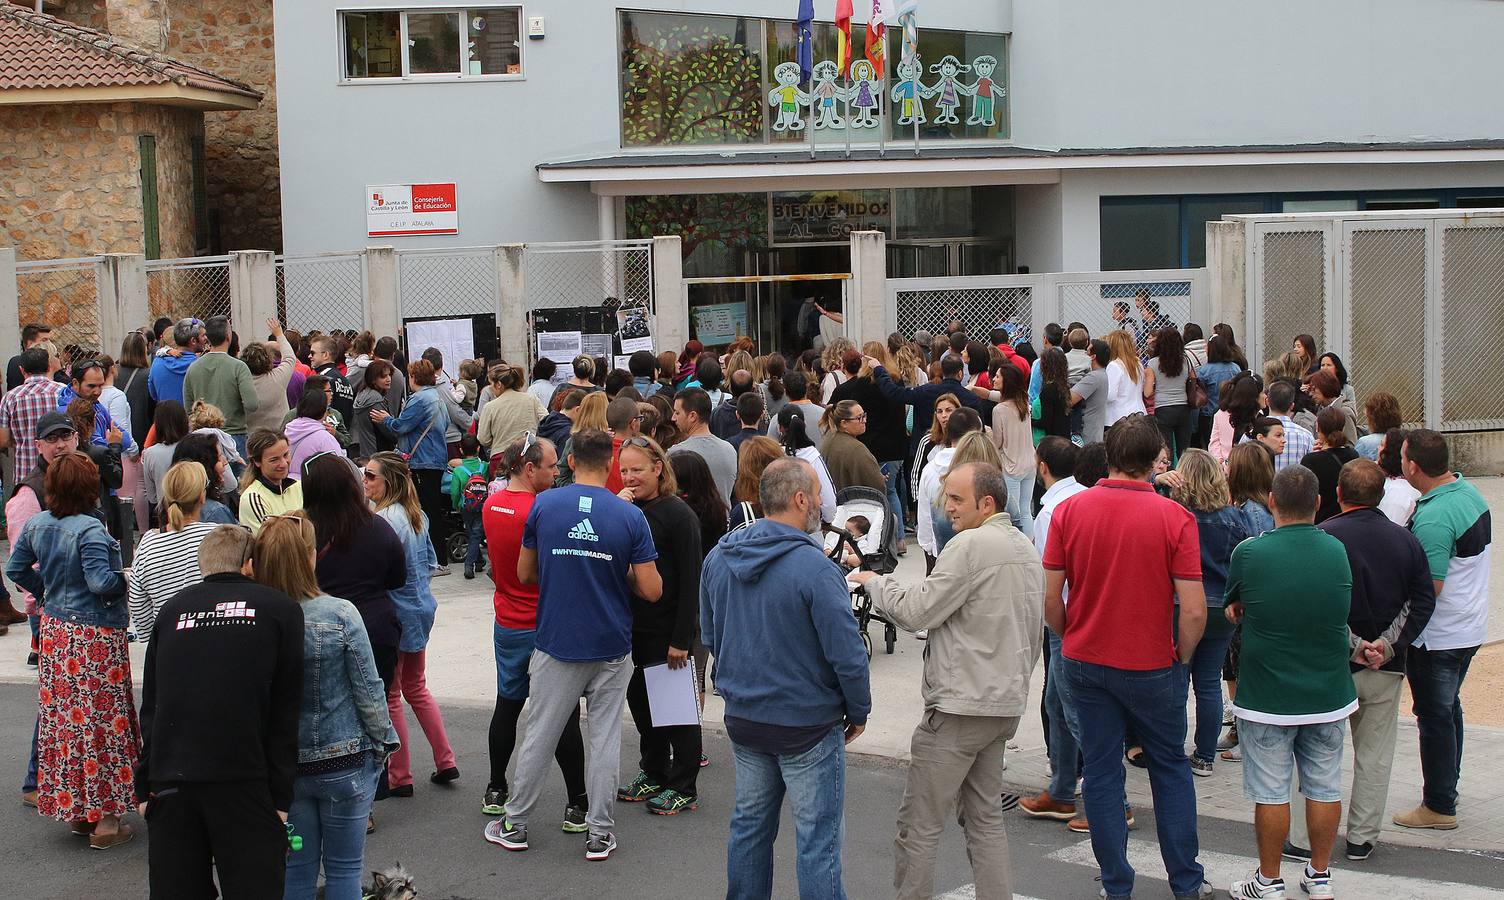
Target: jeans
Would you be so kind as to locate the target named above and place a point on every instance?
(1065, 729)
(1274, 754)
(476, 532)
(893, 475)
(1206, 676)
(1020, 501)
(30, 783)
(815, 782)
(1435, 680)
(1107, 700)
(329, 811)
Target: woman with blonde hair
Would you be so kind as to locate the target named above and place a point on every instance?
(1202, 489)
(738, 361)
(590, 415)
(267, 487)
(1124, 377)
(830, 362)
(945, 405)
(167, 557)
(344, 729)
(389, 487)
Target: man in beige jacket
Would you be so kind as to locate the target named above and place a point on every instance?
(984, 607)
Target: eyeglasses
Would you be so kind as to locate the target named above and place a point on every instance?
(860, 418)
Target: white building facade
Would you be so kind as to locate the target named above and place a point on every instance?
(1081, 136)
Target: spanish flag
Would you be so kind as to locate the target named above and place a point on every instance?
(843, 36)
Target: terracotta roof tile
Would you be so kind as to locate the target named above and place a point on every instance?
(38, 51)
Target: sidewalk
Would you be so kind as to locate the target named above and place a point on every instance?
(461, 671)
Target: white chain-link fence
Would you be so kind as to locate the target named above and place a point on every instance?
(980, 303)
(323, 291)
(569, 275)
(457, 282)
(192, 288)
(1412, 302)
(1092, 299)
(63, 293)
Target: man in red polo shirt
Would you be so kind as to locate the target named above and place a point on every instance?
(1137, 610)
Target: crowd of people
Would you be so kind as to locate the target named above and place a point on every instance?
(1137, 509)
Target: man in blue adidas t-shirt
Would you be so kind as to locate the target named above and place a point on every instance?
(588, 550)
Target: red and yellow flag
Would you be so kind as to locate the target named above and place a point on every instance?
(877, 31)
(843, 36)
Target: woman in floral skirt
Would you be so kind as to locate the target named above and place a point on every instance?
(89, 738)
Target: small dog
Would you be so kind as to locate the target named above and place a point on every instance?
(393, 884)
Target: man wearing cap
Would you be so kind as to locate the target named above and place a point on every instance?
(23, 407)
(215, 778)
(170, 368)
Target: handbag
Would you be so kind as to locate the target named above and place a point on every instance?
(1195, 388)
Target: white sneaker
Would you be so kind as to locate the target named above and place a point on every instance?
(1317, 887)
(1253, 889)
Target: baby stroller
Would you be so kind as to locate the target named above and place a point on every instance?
(876, 551)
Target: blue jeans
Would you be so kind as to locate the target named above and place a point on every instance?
(1021, 503)
(893, 475)
(329, 811)
(1435, 679)
(476, 532)
(1065, 728)
(1206, 676)
(816, 785)
(1107, 700)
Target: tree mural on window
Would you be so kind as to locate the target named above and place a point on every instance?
(735, 221)
(689, 83)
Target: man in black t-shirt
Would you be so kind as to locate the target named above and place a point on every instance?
(219, 727)
(324, 353)
(31, 335)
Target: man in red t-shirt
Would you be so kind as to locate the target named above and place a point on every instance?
(1131, 557)
(530, 465)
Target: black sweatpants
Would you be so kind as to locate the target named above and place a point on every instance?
(200, 828)
(569, 753)
(670, 756)
(436, 505)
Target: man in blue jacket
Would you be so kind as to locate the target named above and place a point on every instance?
(789, 716)
(165, 381)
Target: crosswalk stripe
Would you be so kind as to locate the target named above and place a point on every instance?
(969, 892)
(1223, 868)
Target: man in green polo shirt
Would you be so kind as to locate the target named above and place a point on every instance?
(1453, 525)
(1291, 589)
(217, 377)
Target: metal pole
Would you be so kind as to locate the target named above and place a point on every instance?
(882, 117)
(812, 101)
(846, 92)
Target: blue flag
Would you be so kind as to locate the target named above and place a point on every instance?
(806, 25)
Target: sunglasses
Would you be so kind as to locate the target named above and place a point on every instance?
(638, 441)
(368, 475)
(528, 440)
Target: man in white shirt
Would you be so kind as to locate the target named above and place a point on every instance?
(1058, 801)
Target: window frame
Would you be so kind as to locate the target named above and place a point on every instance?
(459, 13)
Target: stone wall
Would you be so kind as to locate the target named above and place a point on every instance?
(233, 38)
(70, 178)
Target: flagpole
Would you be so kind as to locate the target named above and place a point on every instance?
(846, 92)
(812, 101)
(882, 119)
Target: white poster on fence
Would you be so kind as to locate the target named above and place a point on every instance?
(455, 338)
(635, 329)
(560, 346)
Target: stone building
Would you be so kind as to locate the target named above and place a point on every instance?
(232, 38)
(102, 145)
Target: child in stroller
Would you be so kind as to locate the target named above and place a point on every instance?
(862, 536)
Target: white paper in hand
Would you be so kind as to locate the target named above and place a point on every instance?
(672, 696)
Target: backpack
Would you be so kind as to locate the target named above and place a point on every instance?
(473, 495)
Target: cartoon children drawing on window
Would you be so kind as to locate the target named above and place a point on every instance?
(948, 89)
(863, 94)
(788, 98)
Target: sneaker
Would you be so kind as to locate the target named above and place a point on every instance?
(29, 798)
(1295, 854)
(494, 803)
(1317, 885)
(704, 760)
(512, 837)
(639, 790)
(1423, 817)
(599, 846)
(1080, 826)
(1359, 852)
(574, 820)
(1204, 892)
(671, 803)
(1254, 889)
(442, 571)
(1044, 806)
(1229, 740)
(469, 574)
(1201, 767)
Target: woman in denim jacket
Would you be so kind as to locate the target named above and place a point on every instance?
(88, 738)
(344, 731)
(1202, 488)
(389, 486)
(420, 433)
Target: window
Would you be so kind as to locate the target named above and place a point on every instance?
(151, 235)
(199, 177)
(469, 42)
(698, 79)
(1140, 233)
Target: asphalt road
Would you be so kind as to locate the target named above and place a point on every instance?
(437, 836)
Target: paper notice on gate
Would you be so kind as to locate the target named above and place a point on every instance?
(595, 346)
(673, 698)
(559, 346)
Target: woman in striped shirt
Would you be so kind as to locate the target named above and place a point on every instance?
(167, 557)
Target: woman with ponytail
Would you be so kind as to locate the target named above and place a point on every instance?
(796, 442)
(511, 411)
(267, 488)
(167, 557)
